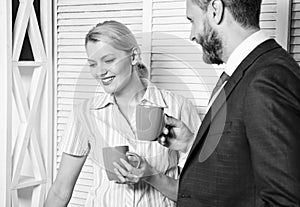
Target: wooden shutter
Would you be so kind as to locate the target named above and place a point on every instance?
(268, 16)
(74, 82)
(176, 62)
(295, 31)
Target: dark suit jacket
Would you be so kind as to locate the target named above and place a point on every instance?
(247, 149)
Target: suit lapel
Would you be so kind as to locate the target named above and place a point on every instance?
(227, 90)
(217, 104)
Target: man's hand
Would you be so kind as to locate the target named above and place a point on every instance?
(176, 135)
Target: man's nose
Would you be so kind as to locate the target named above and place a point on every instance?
(192, 37)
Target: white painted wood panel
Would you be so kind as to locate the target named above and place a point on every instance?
(6, 103)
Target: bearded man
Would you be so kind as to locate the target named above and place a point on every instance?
(246, 152)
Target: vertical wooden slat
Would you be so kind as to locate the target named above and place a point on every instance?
(48, 107)
(146, 34)
(14, 198)
(38, 195)
(6, 102)
(283, 22)
(55, 87)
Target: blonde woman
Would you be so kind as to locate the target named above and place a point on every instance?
(109, 120)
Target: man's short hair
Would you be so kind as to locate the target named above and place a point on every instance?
(245, 12)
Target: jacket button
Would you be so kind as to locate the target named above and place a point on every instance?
(185, 196)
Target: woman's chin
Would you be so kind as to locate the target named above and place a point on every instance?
(108, 90)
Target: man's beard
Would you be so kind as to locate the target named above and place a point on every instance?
(211, 45)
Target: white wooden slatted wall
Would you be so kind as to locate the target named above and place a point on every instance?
(177, 63)
(295, 31)
(268, 16)
(74, 82)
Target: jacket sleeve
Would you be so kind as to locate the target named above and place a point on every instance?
(272, 122)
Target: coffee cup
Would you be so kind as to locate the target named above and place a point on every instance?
(114, 154)
(149, 122)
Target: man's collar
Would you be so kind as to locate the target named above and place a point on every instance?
(244, 49)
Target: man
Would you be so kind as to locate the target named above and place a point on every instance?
(246, 152)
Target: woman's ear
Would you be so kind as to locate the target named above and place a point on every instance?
(134, 56)
(217, 7)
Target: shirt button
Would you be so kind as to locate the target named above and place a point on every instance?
(182, 196)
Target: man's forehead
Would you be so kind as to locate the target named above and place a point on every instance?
(191, 8)
(188, 8)
(188, 3)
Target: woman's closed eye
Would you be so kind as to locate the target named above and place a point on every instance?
(108, 61)
(92, 64)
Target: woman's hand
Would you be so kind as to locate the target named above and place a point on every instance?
(130, 174)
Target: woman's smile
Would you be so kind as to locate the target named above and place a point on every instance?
(107, 80)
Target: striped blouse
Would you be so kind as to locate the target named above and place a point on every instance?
(98, 123)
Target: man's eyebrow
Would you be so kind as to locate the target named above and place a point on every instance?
(189, 18)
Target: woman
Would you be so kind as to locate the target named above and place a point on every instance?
(109, 120)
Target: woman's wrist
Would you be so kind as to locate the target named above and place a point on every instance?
(152, 176)
(165, 184)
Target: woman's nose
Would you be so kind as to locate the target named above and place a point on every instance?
(99, 71)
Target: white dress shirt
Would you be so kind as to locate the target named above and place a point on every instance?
(239, 54)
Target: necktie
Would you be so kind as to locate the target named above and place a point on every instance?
(224, 77)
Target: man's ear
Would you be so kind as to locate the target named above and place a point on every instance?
(134, 56)
(217, 9)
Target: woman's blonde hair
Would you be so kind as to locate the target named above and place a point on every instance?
(120, 37)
